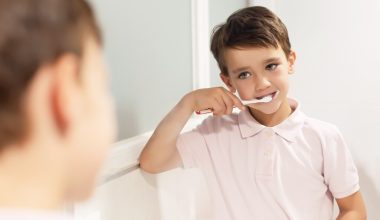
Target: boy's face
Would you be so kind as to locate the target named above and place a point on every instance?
(94, 128)
(258, 72)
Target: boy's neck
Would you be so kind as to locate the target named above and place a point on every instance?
(27, 182)
(271, 120)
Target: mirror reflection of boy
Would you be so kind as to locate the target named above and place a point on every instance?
(56, 113)
(270, 161)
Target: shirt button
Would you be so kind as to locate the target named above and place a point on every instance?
(267, 153)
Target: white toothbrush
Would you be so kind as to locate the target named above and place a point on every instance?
(266, 99)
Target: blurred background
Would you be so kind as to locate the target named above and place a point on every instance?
(155, 56)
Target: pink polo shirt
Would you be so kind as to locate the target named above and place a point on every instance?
(289, 171)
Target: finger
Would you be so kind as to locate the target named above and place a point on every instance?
(228, 102)
(218, 107)
(236, 101)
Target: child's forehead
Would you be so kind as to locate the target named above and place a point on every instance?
(235, 56)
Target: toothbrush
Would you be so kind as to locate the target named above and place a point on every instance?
(266, 99)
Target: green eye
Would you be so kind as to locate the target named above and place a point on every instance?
(244, 75)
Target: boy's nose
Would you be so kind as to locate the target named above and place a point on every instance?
(262, 83)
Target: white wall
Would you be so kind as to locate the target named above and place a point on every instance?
(148, 49)
(338, 75)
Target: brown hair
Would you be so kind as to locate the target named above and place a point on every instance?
(33, 33)
(249, 27)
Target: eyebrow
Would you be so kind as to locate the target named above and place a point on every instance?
(272, 59)
(266, 61)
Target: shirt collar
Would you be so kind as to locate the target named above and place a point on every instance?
(288, 129)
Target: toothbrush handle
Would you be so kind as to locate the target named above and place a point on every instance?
(205, 111)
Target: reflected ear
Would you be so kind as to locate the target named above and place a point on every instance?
(227, 81)
(66, 93)
(291, 61)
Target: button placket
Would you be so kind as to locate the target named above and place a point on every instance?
(265, 162)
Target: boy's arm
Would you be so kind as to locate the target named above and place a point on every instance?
(352, 207)
(160, 153)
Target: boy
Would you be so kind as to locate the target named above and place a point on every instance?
(270, 161)
(57, 118)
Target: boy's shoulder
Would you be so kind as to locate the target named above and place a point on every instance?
(323, 128)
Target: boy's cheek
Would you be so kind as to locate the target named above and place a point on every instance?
(245, 88)
(247, 93)
(280, 82)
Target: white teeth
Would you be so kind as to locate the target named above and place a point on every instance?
(264, 99)
(267, 98)
(270, 95)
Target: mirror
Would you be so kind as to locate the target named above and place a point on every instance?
(149, 51)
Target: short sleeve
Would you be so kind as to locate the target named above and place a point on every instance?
(191, 146)
(340, 172)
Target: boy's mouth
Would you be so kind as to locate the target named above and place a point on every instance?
(271, 95)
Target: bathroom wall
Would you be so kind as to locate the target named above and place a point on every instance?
(148, 50)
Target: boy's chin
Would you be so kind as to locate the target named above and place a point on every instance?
(267, 109)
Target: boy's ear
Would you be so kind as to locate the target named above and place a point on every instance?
(291, 61)
(66, 93)
(227, 81)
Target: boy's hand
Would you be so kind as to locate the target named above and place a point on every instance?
(218, 99)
